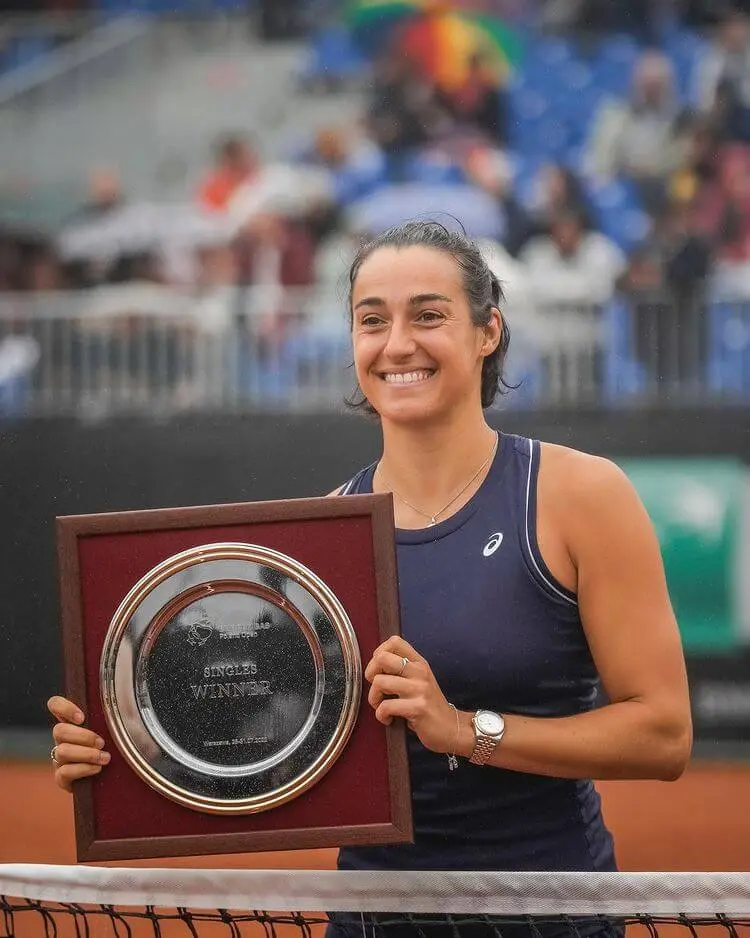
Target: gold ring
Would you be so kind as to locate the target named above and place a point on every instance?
(404, 661)
(54, 759)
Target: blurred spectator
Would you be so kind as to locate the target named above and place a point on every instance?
(681, 252)
(216, 294)
(556, 190)
(724, 76)
(405, 111)
(13, 263)
(341, 149)
(275, 251)
(572, 267)
(283, 189)
(355, 162)
(236, 165)
(104, 196)
(490, 170)
(723, 214)
(479, 104)
(698, 170)
(664, 287)
(45, 272)
(638, 138)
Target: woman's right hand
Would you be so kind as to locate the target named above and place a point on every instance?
(78, 752)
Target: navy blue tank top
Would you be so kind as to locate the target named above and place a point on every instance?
(500, 632)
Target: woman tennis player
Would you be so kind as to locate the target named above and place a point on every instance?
(528, 572)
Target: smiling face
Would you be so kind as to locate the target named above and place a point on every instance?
(417, 353)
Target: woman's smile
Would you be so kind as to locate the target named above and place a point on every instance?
(404, 379)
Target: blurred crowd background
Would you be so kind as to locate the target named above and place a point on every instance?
(182, 184)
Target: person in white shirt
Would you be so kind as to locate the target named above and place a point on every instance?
(639, 138)
(572, 267)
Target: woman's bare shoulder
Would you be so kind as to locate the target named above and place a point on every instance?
(580, 482)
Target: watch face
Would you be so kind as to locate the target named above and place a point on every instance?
(491, 724)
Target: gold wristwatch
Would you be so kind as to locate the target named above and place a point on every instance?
(489, 728)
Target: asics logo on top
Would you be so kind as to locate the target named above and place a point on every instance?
(492, 545)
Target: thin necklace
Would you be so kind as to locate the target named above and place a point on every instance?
(434, 516)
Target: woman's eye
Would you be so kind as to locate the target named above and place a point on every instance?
(429, 315)
(370, 321)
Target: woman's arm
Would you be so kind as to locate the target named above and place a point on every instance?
(645, 730)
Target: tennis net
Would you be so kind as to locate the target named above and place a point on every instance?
(40, 901)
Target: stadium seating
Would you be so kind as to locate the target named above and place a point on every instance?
(332, 56)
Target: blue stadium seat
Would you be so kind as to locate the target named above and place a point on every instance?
(550, 52)
(728, 353)
(612, 65)
(573, 78)
(627, 228)
(619, 212)
(431, 170)
(332, 56)
(537, 127)
(358, 182)
(685, 49)
(525, 168)
(527, 103)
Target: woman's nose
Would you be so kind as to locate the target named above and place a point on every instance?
(400, 340)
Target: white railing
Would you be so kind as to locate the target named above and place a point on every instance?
(145, 349)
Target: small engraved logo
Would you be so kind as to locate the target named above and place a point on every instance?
(199, 633)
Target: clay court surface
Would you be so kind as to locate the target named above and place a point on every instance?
(701, 822)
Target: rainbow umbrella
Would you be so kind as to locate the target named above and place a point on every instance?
(363, 12)
(373, 22)
(444, 44)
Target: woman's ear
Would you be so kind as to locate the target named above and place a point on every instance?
(493, 330)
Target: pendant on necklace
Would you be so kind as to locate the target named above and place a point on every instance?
(432, 521)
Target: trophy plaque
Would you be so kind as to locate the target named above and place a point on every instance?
(219, 651)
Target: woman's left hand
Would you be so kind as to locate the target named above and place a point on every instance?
(410, 691)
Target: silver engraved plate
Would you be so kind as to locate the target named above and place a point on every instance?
(230, 678)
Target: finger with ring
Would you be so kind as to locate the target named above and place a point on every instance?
(53, 756)
(404, 662)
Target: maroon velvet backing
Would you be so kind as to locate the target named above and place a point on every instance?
(355, 792)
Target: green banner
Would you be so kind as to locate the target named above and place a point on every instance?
(698, 507)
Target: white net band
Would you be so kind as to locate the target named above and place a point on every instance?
(480, 893)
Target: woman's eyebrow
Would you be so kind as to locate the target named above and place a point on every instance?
(370, 301)
(428, 298)
(414, 300)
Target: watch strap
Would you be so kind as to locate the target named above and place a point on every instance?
(483, 749)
